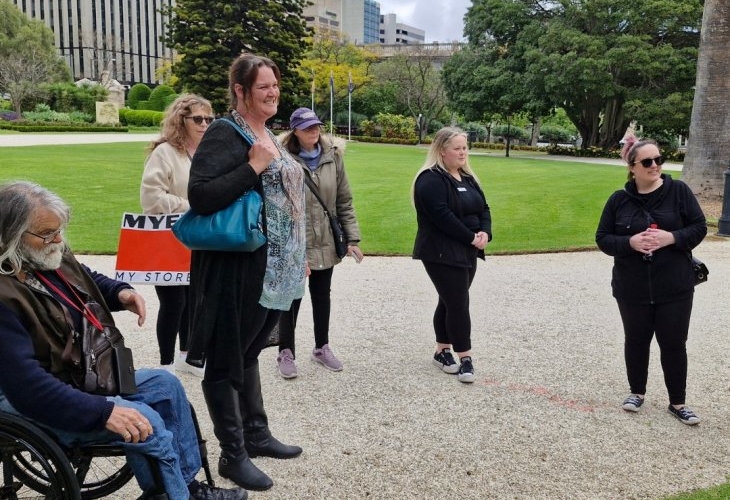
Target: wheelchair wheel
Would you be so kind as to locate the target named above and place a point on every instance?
(33, 466)
(101, 470)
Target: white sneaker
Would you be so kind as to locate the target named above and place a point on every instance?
(182, 367)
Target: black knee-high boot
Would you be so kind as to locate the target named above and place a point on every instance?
(234, 462)
(256, 435)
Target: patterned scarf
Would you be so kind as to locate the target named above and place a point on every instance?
(283, 182)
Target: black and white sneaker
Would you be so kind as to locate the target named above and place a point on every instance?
(466, 370)
(685, 415)
(632, 403)
(445, 361)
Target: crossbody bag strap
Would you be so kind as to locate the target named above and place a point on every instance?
(313, 188)
(80, 306)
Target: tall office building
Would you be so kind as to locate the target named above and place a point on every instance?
(392, 32)
(356, 20)
(118, 36)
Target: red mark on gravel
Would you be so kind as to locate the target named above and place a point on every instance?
(543, 392)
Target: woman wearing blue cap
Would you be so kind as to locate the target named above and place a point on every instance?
(321, 158)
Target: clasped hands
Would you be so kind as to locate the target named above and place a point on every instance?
(650, 240)
(480, 240)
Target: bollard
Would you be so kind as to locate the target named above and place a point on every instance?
(723, 223)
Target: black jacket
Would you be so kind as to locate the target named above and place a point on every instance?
(668, 275)
(445, 232)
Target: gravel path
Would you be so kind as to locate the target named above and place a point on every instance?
(542, 421)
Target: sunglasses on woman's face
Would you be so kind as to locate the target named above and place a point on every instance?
(646, 162)
(200, 119)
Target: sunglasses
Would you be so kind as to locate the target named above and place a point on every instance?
(200, 119)
(646, 162)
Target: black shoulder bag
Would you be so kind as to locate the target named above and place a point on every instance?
(337, 232)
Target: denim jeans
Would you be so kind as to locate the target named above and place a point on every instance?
(173, 442)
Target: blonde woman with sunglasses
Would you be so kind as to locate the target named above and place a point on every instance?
(649, 228)
(164, 190)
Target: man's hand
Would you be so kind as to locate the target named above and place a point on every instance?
(129, 423)
(132, 301)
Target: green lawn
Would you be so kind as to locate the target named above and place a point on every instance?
(537, 204)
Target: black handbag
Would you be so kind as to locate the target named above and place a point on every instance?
(700, 270)
(337, 232)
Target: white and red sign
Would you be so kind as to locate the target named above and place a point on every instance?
(149, 253)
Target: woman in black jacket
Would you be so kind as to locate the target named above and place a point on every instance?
(650, 228)
(454, 226)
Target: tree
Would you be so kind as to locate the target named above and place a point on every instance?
(708, 149)
(210, 34)
(417, 84)
(28, 56)
(330, 54)
(590, 57)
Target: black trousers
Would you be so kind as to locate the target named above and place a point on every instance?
(670, 323)
(172, 320)
(264, 321)
(320, 282)
(451, 320)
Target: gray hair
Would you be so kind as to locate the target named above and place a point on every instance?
(19, 202)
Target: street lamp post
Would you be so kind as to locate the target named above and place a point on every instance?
(723, 223)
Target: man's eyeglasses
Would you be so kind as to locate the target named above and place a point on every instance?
(47, 237)
(646, 162)
(200, 119)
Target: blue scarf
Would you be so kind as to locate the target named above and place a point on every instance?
(311, 158)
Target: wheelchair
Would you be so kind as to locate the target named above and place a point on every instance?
(34, 466)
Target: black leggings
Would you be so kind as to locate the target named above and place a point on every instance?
(320, 282)
(172, 320)
(451, 320)
(670, 322)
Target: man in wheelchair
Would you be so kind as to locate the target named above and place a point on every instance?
(38, 274)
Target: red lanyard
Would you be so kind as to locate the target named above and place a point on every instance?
(83, 309)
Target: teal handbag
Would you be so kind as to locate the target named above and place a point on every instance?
(236, 228)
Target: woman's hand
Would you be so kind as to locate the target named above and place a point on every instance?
(355, 252)
(651, 240)
(260, 156)
(480, 240)
(132, 301)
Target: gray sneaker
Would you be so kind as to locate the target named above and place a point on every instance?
(286, 364)
(327, 358)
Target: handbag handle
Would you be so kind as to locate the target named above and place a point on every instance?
(238, 128)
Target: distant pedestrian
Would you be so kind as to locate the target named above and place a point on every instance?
(649, 228)
(454, 227)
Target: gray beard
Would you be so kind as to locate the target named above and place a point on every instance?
(47, 259)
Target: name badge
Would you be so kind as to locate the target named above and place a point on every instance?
(461, 189)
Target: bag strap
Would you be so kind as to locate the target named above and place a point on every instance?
(80, 307)
(238, 128)
(313, 188)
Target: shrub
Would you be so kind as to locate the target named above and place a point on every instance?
(67, 97)
(554, 134)
(505, 131)
(396, 126)
(158, 96)
(140, 117)
(138, 92)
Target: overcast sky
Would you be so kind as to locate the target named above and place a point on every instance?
(442, 20)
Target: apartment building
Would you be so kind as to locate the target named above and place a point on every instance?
(392, 32)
